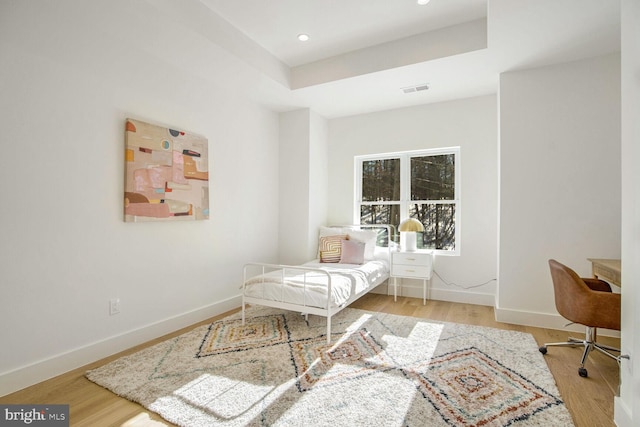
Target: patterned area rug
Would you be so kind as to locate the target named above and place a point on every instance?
(379, 370)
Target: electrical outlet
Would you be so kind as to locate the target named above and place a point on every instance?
(114, 306)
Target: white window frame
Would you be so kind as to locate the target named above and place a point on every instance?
(405, 187)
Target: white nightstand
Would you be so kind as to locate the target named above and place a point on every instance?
(412, 265)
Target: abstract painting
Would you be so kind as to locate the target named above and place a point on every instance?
(167, 174)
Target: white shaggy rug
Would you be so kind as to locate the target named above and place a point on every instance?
(379, 370)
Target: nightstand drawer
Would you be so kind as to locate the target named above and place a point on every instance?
(412, 265)
(411, 258)
(417, 271)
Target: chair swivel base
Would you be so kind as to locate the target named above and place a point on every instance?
(589, 344)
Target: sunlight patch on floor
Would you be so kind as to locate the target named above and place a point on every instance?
(142, 420)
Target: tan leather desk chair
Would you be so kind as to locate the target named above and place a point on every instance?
(589, 302)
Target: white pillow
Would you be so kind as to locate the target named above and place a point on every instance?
(331, 231)
(368, 237)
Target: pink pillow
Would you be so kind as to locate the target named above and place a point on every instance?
(352, 252)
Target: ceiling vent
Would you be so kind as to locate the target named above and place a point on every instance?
(417, 88)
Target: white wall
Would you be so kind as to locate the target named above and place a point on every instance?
(318, 180)
(71, 73)
(294, 186)
(626, 405)
(303, 184)
(559, 179)
(468, 123)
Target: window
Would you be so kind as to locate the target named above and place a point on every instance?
(418, 184)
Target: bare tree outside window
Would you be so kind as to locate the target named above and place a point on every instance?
(439, 225)
(381, 180)
(380, 214)
(433, 180)
(380, 183)
(420, 185)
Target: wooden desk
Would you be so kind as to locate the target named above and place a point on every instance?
(607, 269)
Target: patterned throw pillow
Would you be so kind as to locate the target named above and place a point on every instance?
(331, 248)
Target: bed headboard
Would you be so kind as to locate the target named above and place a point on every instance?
(386, 232)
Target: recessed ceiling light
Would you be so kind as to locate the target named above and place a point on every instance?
(422, 2)
(303, 37)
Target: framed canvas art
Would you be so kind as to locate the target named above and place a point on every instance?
(167, 176)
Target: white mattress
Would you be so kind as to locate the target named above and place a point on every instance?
(310, 288)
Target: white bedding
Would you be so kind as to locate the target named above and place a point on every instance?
(310, 288)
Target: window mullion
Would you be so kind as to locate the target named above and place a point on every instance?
(405, 186)
(381, 202)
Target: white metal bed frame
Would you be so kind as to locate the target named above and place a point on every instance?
(326, 311)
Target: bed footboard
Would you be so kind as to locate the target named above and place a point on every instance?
(276, 279)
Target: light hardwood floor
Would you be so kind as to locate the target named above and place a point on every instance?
(590, 400)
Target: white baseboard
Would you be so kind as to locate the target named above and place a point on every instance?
(544, 320)
(516, 317)
(413, 291)
(621, 414)
(466, 297)
(34, 373)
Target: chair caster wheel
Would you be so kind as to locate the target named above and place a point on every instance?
(582, 372)
(543, 349)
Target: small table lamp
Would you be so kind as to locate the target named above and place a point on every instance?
(408, 229)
